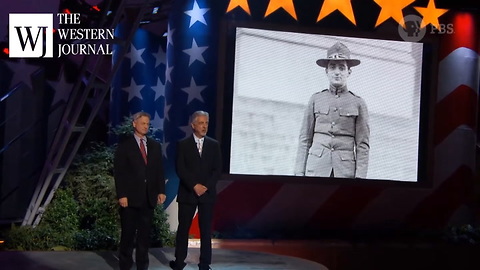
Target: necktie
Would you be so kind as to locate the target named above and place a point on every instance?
(143, 150)
(199, 146)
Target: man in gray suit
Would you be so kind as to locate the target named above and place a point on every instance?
(334, 137)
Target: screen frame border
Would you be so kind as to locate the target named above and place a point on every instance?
(225, 78)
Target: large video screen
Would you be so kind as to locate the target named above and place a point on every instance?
(297, 110)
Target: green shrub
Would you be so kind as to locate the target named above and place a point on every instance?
(161, 235)
(83, 214)
(58, 227)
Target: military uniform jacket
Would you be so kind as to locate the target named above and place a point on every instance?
(334, 135)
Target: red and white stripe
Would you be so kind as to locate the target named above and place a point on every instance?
(269, 206)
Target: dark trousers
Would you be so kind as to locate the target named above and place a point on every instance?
(185, 215)
(136, 223)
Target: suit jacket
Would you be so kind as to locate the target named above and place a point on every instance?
(134, 179)
(194, 169)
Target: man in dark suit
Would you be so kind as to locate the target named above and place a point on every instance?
(140, 185)
(198, 166)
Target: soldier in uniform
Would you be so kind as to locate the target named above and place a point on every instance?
(334, 137)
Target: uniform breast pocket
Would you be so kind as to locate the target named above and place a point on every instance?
(321, 116)
(348, 112)
(321, 110)
(347, 118)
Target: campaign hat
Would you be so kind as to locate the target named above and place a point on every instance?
(338, 52)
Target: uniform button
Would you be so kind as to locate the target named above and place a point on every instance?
(335, 109)
(337, 96)
(333, 123)
(332, 135)
(332, 149)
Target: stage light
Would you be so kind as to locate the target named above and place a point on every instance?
(155, 10)
(4, 49)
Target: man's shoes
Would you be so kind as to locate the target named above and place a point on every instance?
(175, 266)
(204, 267)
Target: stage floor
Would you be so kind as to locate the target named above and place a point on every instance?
(223, 259)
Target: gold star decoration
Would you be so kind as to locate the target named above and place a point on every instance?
(344, 6)
(287, 5)
(392, 9)
(430, 14)
(243, 4)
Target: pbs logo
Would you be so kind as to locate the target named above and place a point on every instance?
(414, 33)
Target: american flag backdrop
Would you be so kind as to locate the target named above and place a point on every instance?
(171, 79)
(172, 76)
(191, 81)
(139, 84)
(263, 208)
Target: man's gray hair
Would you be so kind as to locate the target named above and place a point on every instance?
(140, 114)
(196, 114)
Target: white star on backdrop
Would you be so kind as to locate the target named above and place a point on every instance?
(157, 121)
(170, 32)
(62, 88)
(196, 14)
(135, 55)
(133, 90)
(164, 149)
(195, 53)
(187, 130)
(194, 91)
(168, 74)
(167, 110)
(22, 72)
(159, 57)
(159, 89)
